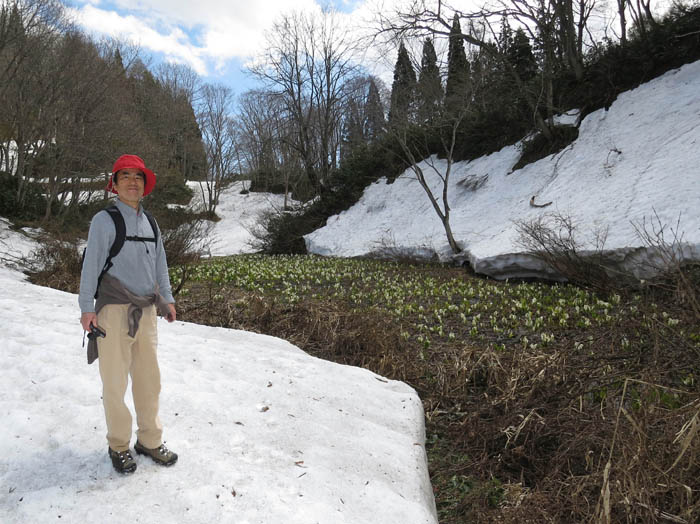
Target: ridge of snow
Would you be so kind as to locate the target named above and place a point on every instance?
(265, 432)
(636, 160)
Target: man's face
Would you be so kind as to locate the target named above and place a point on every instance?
(129, 184)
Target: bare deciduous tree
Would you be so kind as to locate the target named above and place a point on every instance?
(179, 79)
(183, 87)
(219, 141)
(260, 118)
(30, 83)
(416, 149)
(266, 141)
(24, 26)
(308, 59)
(76, 146)
(642, 16)
(440, 202)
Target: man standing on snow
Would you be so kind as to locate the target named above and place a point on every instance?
(128, 285)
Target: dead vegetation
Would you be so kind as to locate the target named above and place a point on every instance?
(56, 263)
(599, 425)
(544, 403)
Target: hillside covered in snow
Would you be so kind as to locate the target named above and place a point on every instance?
(630, 164)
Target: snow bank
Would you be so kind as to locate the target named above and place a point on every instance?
(240, 215)
(638, 159)
(265, 432)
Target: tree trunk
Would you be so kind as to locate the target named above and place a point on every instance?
(568, 37)
(450, 238)
(51, 191)
(446, 217)
(621, 8)
(443, 215)
(19, 173)
(540, 123)
(647, 10)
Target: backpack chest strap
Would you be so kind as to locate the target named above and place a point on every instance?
(141, 239)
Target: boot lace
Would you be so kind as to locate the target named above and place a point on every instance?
(123, 456)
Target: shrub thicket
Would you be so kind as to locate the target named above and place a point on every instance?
(267, 181)
(57, 264)
(539, 146)
(33, 206)
(170, 189)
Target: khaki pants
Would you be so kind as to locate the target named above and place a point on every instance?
(119, 356)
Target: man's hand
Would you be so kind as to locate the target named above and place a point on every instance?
(171, 313)
(86, 319)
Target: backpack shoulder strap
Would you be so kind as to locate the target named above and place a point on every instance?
(120, 236)
(120, 229)
(154, 224)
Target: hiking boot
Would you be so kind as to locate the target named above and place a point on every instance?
(122, 461)
(160, 455)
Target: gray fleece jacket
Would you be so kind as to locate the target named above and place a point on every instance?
(140, 266)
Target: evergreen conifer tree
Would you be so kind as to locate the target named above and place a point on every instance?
(520, 55)
(374, 113)
(458, 71)
(15, 27)
(352, 132)
(118, 61)
(429, 86)
(402, 90)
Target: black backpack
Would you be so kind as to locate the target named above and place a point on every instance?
(120, 238)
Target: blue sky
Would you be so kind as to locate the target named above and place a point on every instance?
(216, 38)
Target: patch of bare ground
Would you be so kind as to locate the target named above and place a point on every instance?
(599, 424)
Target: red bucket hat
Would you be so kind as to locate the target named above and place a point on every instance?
(135, 162)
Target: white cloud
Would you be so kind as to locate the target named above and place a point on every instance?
(197, 33)
(174, 45)
(208, 34)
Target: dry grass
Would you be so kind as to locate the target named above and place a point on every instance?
(569, 432)
(601, 424)
(57, 264)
